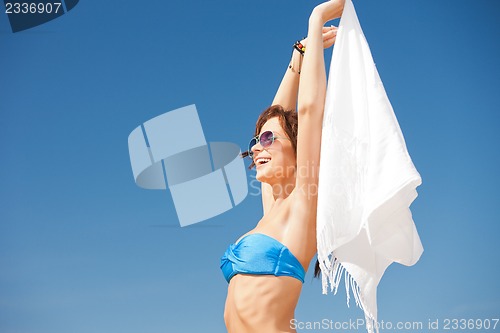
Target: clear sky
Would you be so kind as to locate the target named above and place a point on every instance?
(83, 249)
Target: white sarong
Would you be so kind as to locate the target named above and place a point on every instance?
(367, 180)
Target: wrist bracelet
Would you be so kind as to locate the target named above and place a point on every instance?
(299, 47)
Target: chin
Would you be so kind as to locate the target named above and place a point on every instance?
(264, 175)
(261, 178)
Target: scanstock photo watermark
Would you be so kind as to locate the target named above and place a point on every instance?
(444, 324)
(309, 170)
(24, 15)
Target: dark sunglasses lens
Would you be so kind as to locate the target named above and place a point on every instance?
(252, 143)
(266, 139)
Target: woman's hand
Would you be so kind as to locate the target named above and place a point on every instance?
(329, 36)
(327, 11)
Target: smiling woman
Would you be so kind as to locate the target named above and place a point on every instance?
(288, 122)
(265, 268)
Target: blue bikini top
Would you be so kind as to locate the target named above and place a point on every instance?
(260, 254)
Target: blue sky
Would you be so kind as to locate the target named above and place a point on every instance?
(83, 249)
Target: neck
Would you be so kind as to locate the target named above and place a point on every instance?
(283, 189)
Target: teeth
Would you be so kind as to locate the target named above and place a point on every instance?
(263, 160)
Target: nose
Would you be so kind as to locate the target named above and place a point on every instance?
(256, 148)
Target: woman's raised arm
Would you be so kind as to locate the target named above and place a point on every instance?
(301, 233)
(311, 100)
(287, 94)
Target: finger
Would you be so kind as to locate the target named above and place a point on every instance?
(327, 30)
(329, 34)
(330, 27)
(330, 30)
(329, 42)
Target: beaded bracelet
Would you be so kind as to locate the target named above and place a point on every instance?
(301, 49)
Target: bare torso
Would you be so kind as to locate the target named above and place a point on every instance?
(266, 303)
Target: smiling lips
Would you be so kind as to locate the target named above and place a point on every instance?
(261, 160)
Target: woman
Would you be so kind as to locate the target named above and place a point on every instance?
(265, 268)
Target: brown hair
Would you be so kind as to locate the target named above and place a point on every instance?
(289, 121)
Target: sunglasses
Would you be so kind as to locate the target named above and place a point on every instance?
(266, 139)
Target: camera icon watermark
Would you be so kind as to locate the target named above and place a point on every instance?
(205, 179)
